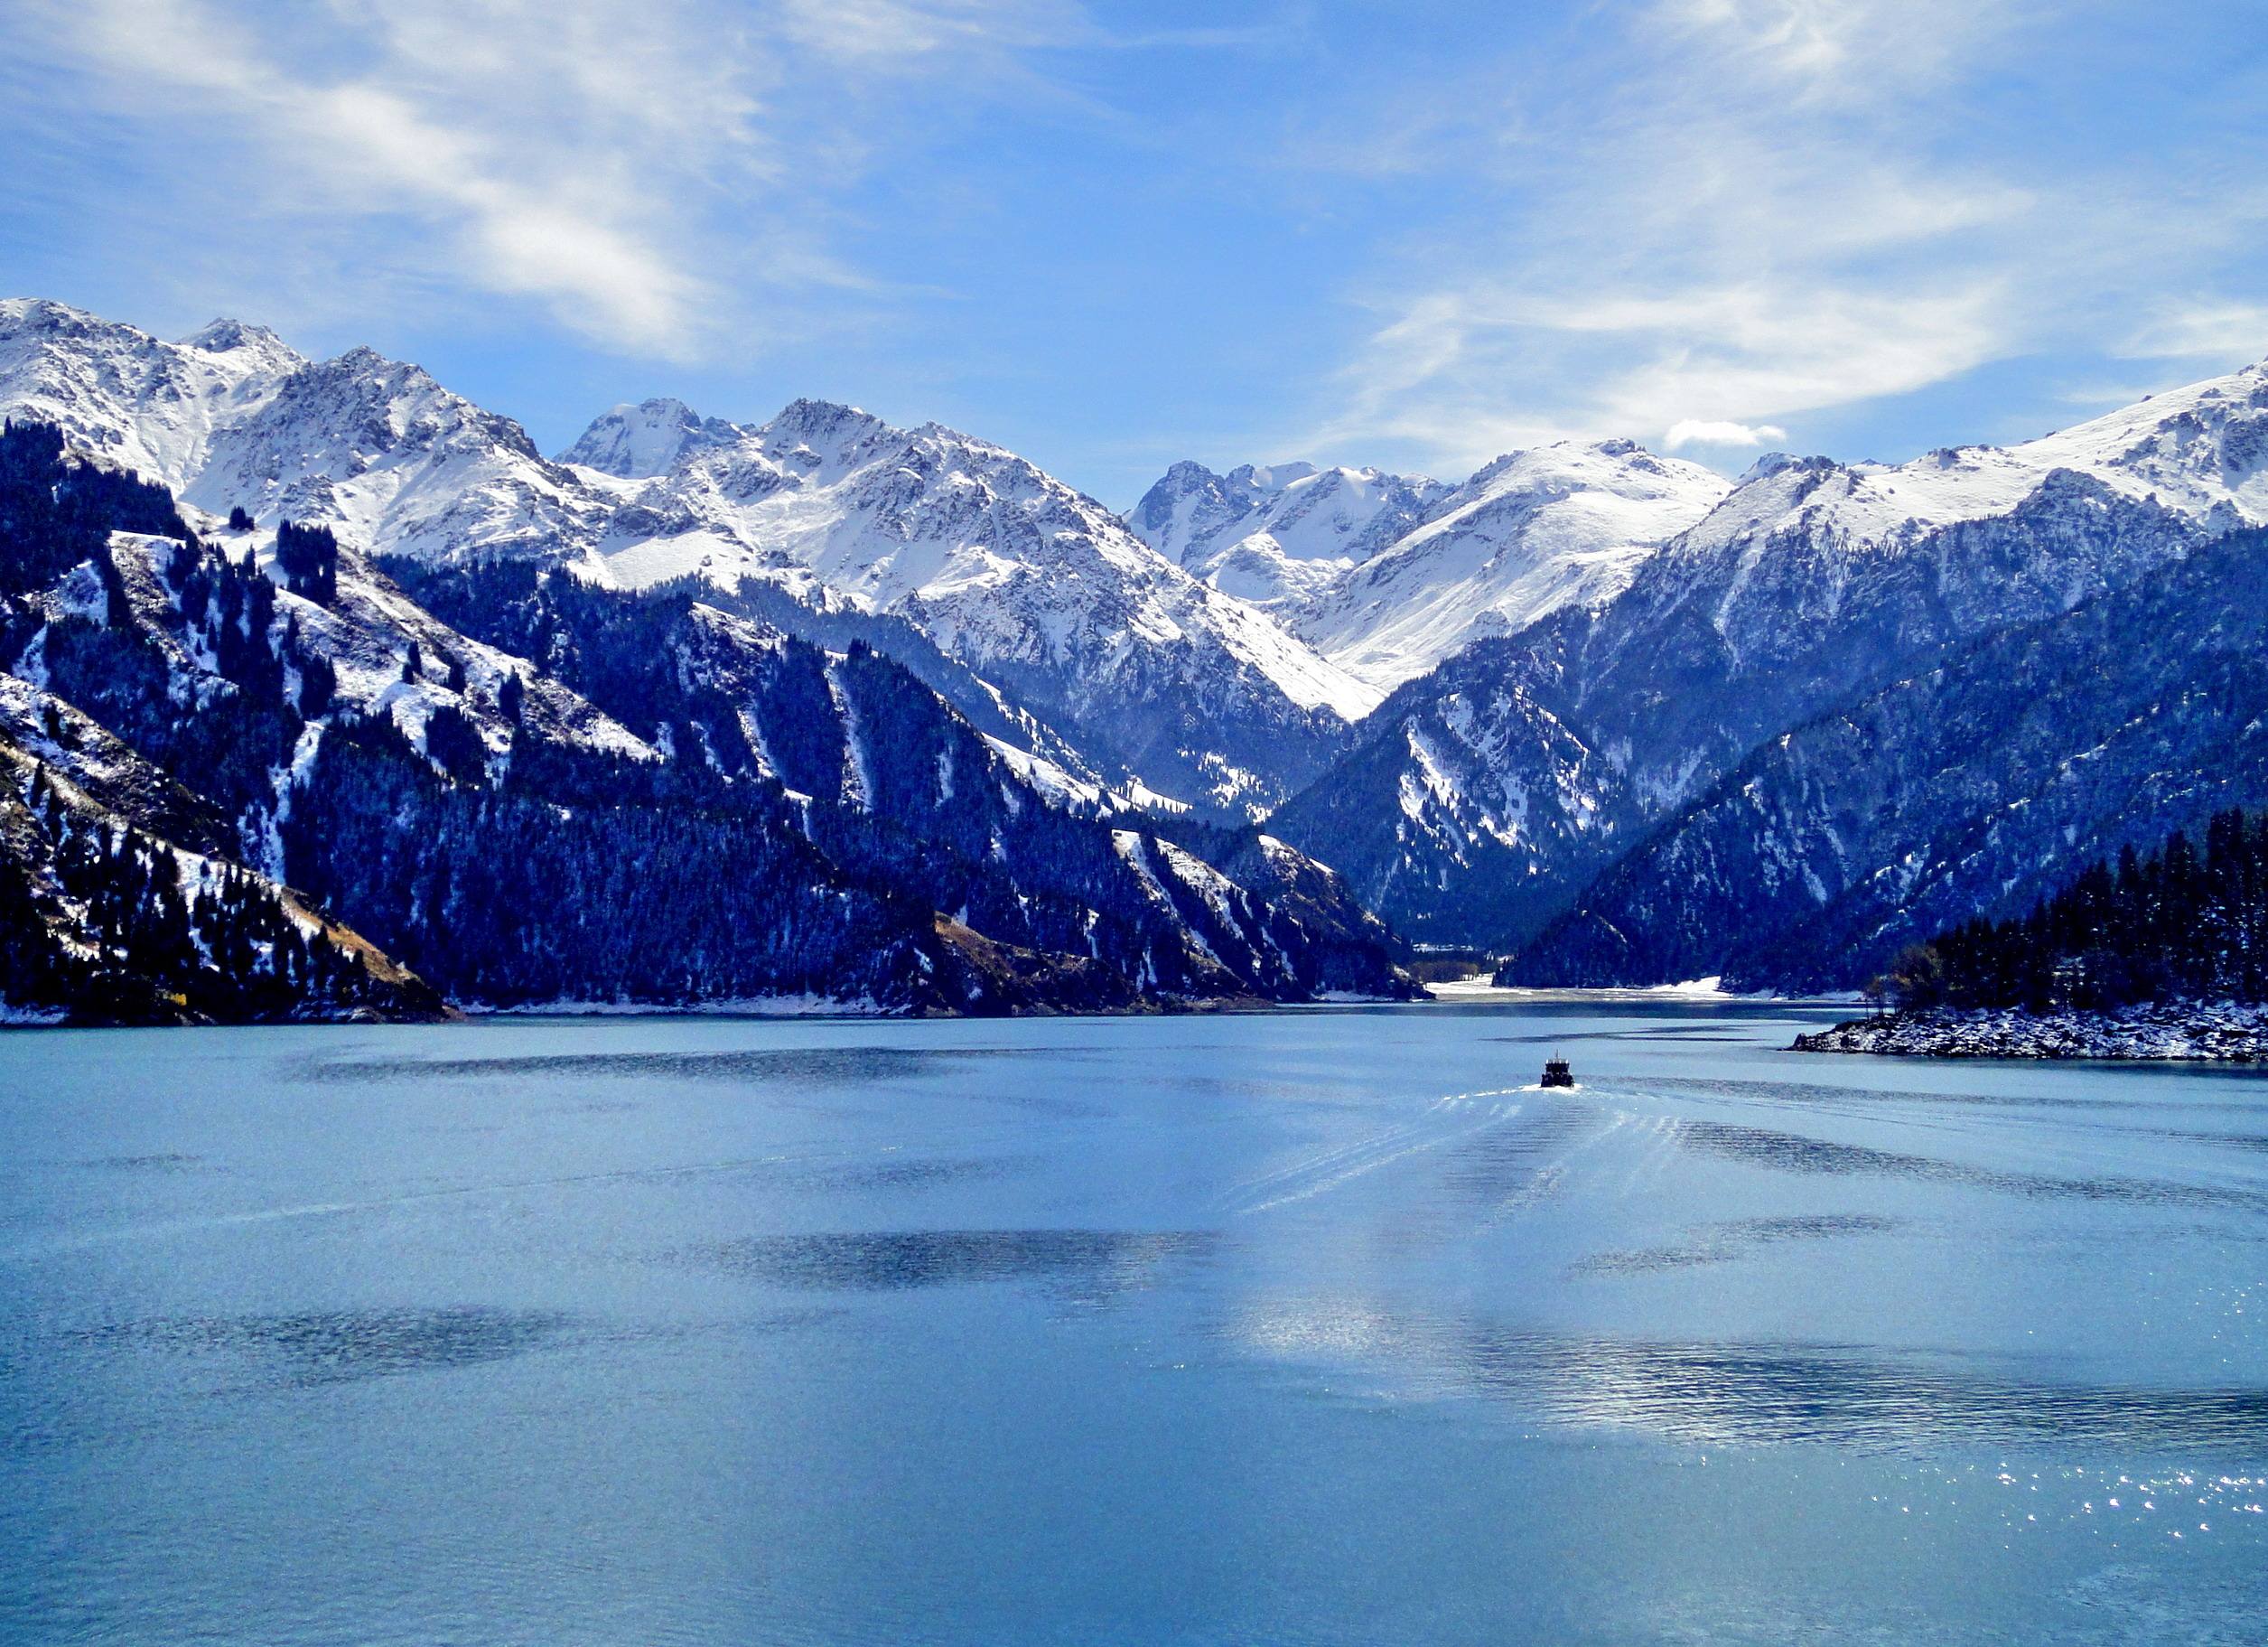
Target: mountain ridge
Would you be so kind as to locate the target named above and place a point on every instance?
(650, 800)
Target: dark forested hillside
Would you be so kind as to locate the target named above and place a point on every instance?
(1486, 797)
(556, 792)
(2184, 921)
(1968, 788)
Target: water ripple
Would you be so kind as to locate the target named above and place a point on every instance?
(336, 1347)
(1090, 1260)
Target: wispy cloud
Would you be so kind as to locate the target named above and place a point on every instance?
(1744, 211)
(644, 172)
(2201, 329)
(1695, 432)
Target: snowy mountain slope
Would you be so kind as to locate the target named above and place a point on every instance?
(397, 465)
(143, 404)
(1535, 530)
(1810, 584)
(1002, 561)
(636, 443)
(1386, 576)
(1964, 789)
(2201, 450)
(229, 417)
(1036, 587)
(1282, 532)
(1472, 810)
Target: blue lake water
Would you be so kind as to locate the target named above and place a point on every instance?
(1304, 1328)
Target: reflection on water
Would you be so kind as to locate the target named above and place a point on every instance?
(335, 1346)
(1753, 1394)
(1790, 1152)
(833, 1066)
(1095, 1262)
(1736, 1239)
(1721, 1394)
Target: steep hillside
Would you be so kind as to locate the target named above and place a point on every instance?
(1809, 586)
(1162, 684)
(108, 913)
(551, 791)
(1964, 789)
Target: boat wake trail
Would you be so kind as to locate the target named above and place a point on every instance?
(1329, 1168)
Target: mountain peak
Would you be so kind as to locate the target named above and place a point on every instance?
(805, 412)
(1771, 462)
(1271, 477)
(825, 427)
(46, 314)
(636, 443)
(224, 336)
(363, 357)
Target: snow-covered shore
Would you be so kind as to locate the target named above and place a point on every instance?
(2221, 1031)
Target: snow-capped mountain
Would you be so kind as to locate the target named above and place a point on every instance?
(1386, 576)
(1581, 642)
(1169, 687)
(231, 418)
(1283, 532)
(1035, 587)
(396, 464)
(1484, 797)
(2201, 450)
(1561, 525)
(636, 443)
(532, 788)
(148, 406)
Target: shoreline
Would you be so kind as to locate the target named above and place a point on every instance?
(2172, 1032)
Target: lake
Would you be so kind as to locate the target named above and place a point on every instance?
(1308, 1328)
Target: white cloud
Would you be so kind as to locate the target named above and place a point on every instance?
(1840, 48)
(1697, 432)
(533, 163)
(2202, 330)
(644, 172)
(1743, 212)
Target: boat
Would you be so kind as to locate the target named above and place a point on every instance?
(1555, 1073)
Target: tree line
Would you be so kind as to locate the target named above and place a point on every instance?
(2187, 920)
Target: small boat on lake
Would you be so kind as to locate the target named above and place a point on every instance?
(1555, 1073)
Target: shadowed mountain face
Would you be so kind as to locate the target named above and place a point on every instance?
(1964, 790)
(531, 789)
(1487, 799)
(924, 679)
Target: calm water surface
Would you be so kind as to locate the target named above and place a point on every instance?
(1307, 1328)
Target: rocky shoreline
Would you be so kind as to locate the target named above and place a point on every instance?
(2222, 1032)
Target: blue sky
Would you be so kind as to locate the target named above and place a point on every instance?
(1111, 235)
